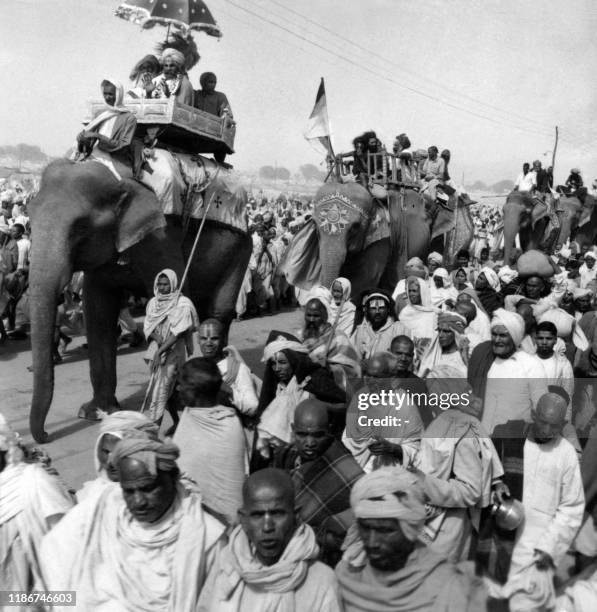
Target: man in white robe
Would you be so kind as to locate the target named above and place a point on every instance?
(515, 380)
(378, 329)
(270, 561)
(553, 501)
(32, 501)
(558, 370)
(147, 546)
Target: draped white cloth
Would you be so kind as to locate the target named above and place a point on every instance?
(212, 453)
(114, 562)
(296, 583)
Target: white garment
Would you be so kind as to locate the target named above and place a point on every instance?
(514, 386)
(24, 246)
(243, 391)
(587, 275)
(553, 500)
(558, 371)
(367, 341)
(31, 502)
(526, 182)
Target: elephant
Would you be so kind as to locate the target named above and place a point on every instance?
(578, 220)
(531, 219)
(352, 234)
(84, 219)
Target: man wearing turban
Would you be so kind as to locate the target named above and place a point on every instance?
(386, 568)
(148, 545)
(173, 80)
(509, 380)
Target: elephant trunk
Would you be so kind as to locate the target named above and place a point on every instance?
(50, 272)
(332, 253)
(512, 219)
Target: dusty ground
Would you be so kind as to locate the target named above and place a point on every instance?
(72, 439)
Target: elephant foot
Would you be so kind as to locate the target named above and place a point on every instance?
(95, 411)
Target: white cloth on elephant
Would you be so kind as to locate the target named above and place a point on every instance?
(165, 180)
(167, 315)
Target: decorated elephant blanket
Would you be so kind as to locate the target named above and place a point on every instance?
(193, 186)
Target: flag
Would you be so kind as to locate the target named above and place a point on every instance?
(318, 129)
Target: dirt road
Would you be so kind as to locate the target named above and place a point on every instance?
(71, 439)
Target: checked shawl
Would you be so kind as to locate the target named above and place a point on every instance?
(323, 488)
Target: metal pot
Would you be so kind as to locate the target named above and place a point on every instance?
(509, 514)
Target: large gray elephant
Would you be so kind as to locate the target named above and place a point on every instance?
(532, 220)
(353, 235)
(578, 220)
(114, 231)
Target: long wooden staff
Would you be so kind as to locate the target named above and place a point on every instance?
(179, 290)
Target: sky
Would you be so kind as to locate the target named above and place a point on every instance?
(487, 79)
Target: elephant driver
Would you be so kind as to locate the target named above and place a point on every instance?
(108, 138)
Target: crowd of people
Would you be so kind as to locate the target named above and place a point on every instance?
(430, 448)
(471, 486)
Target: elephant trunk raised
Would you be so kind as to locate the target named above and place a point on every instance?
(50, 272)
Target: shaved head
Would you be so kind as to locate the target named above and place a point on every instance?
(552, 405)
(549, 418)
(268, 515)
(311, 413)
(272, 479)
(311, 429)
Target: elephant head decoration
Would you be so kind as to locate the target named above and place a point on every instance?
(351, 234)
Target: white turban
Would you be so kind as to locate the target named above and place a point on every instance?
(591, 255)
(492, 278)
(506, 275)
(174, 55)
(281, 344)
(512, 321)
(391, 493)
(435, 257)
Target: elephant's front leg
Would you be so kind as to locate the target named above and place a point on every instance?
(101, 313)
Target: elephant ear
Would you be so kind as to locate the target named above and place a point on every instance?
(139, 214)
(540, 211)
(301, 264)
